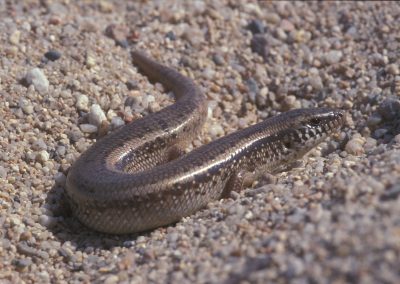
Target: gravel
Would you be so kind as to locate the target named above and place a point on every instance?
(66, 79)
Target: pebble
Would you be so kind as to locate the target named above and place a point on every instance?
(61, 150)
(60, 179)
(256, 27)
(90, 61)
(82, 102)
(88, 128)
(111, 279)
(36, 77)
(52, 55)
(117, 122)
(215, 130)
(96, 115)
(374, 120)
(355, 146)
(393, 69)
(15, 37)
(26, 106)
(22, 264)
(39, 145)
(389, 109)
(48, 221)
(42, 156)
(333, 57)
(3, 172)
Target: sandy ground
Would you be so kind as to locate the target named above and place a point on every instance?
(66, 79)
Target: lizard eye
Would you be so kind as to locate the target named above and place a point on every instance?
(315, 121)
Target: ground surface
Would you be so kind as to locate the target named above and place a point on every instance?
(334, 217)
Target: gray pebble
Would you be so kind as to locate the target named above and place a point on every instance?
(218, 59)
(39, 145)
(333, 56)
(23, 263)
(61, 150)
(117, 122)
(60, 179)
(389, 109)
(48, 221)
(3, 172)
(36, 77)
(88, 128)
(374, 120)
(26, 106)
(380, 132)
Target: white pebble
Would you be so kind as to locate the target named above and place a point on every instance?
(216, 130)
(96, 115)
(36, 77)
(355, 146)
(333, 56)
(82, 102)
(42, 156)
(48, 221)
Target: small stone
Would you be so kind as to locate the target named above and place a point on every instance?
(389, 109)
(170, 35)
(374, 120)
(36, 77)
(15, 37)
(259, 45)
(216, 130)
(52, 55)
(111, 279)
(118, 33)
(88, 128)
(370, 143)
(42, 156)
(3, 172)
(96, 115)
(355, 146)
(393, 69)
(218, 59)
(286, 25)
(60, 179)
(22, 264)
(106, 7)
(380, 132)
(48, 221)
(82, 102)
(132, 85)
(61, 150)
(117, 122)
(90, 61)
(316, 83)
(39, 145)
(256, 27)
(26, 106)
(333, 57)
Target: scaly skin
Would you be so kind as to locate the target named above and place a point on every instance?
(125, 182)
